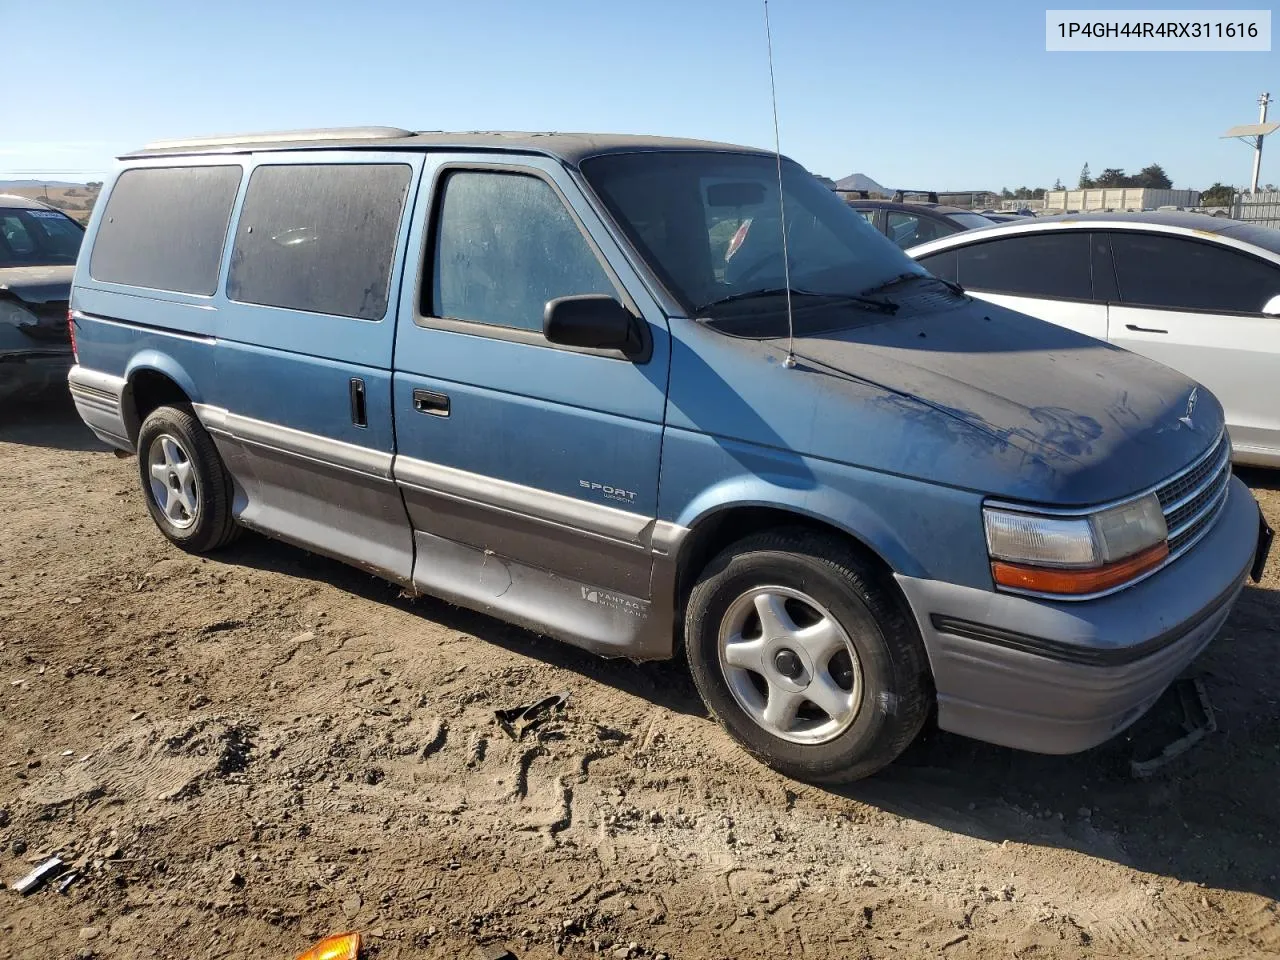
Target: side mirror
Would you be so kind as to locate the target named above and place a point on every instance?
(593, 320)
(1272, 306)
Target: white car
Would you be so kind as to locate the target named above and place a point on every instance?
(1199, 294)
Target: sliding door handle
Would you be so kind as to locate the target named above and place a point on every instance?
(1135, 327)
(359, 409)
(428, 401)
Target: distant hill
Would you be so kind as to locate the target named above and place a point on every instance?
(37, 184)
(860, 181)
(76, 200)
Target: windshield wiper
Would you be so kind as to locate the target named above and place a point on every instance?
(904, 277)
(884, 306)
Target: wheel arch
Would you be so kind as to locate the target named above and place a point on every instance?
(153, 380)
(720, 526)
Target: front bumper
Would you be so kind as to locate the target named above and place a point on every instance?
(1060, 677)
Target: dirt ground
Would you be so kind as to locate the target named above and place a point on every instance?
(242, 754)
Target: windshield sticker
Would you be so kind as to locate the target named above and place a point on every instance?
(46, 214)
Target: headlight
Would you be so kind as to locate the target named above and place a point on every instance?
(1075, 554)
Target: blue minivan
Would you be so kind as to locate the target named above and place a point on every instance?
(574, 381)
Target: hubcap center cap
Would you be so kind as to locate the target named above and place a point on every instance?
(788, 664)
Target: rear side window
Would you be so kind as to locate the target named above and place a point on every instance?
(319, 238)
(1029, 265)
(504, 246)
(165, 227)
(1182, 274)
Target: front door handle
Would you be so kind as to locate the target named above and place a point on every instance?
(430, 402)
(1134, 326)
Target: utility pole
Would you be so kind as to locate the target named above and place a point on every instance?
(1257, 141)
(1252, 134)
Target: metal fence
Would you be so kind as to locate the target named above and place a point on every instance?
(1262, 209)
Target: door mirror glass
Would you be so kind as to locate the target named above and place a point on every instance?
(591, 320)
(1272, 307)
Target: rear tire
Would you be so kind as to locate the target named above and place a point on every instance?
(186, 486)
(806, 656)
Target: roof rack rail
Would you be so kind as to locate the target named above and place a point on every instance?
(285, 136)
(900, 195)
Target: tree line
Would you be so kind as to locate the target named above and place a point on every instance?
(1152, 177)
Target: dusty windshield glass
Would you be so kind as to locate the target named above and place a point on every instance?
(709, 225)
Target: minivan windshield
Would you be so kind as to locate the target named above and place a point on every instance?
(708, 224)
(37, 238)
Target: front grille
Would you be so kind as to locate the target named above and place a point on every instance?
(1193, 500)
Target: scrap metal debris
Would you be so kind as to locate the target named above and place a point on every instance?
(1197, 720)
(517, 721)
(340, 946)
(36, 878)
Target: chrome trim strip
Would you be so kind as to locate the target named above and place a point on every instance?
(213, 418)
(1086, 511)
(436, 479)
(297, 443)
(540, 505)
(90, 382)
(85, 392)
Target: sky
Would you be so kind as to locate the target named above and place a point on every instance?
(920, 95)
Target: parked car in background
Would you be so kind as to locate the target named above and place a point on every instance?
(1008, 216)
(1198, 293)
(1005, 216)
(572, 381)
(911, 222)
(38, 248)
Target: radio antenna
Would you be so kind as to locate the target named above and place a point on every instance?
(782, 207)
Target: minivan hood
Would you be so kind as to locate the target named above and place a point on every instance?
(1092, 420)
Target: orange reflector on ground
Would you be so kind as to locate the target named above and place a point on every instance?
(340, 946)
(1078, 581)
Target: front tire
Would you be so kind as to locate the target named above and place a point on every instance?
(806, 657)
(186, 486)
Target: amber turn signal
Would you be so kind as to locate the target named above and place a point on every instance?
(340, 946)
(1078, 581)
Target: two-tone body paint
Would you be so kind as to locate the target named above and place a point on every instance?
(557, 488)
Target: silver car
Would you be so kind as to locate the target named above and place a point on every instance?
(1200, 294)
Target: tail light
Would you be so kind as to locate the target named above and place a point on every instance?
(71, 332)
